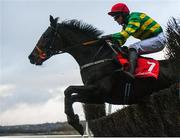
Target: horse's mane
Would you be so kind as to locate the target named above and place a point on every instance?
(173, 41)
(79, 26)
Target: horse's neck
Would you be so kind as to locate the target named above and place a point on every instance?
(85, 54)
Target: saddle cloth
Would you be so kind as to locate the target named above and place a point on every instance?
(145, 68)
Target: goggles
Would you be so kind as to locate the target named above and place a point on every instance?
(116, 17)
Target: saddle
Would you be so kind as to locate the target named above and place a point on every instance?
(145, 68)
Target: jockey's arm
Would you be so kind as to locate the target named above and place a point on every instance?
(132, 26)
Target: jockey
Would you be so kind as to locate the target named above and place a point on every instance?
(140, 26)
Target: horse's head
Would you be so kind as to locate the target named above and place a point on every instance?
(68, 36)
(47, 45)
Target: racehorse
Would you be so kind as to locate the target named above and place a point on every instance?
(104, 80)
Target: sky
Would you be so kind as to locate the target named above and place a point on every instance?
(32, 94)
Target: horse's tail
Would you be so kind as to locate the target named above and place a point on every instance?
(173, 42)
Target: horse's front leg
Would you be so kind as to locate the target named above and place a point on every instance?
(73, 119)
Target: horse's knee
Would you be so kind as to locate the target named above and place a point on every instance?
(68, 91)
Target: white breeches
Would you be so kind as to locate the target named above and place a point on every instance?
(150, 45)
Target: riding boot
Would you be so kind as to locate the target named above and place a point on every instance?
(132, 62)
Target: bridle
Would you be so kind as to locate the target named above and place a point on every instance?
(42, 53)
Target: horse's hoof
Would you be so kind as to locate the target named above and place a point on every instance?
(74, 121)
(80, 129)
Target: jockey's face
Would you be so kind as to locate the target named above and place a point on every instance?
(119, 19)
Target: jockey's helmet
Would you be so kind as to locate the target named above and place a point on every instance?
(119, 8)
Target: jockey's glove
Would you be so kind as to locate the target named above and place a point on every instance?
(106, 37)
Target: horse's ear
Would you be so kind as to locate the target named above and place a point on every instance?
(53, 22)
(51, 19)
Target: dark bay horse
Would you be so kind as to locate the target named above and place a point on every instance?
(103, 82)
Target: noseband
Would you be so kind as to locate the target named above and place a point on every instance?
(42, 55)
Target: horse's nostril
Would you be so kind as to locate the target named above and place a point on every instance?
(29, 57)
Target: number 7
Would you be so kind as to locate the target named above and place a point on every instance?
(152, 65)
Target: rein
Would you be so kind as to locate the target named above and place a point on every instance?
(89, 42)
(42, 54)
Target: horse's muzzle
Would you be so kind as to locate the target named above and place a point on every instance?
(35, 61)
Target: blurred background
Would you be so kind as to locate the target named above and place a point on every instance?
(31, 94)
